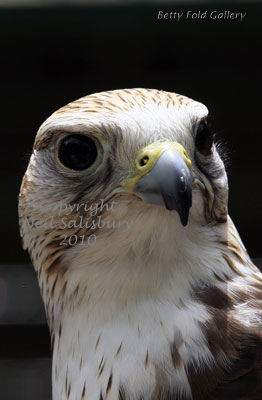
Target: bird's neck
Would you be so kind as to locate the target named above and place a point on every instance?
(102, 315)
(110, 278)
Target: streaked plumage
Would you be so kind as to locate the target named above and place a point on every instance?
(162, 311)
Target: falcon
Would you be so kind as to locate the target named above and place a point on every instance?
(168, 309)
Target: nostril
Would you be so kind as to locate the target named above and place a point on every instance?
(144, 160)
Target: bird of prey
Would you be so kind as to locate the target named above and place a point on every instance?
(161, 300)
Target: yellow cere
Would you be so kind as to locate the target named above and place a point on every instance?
(147, 157)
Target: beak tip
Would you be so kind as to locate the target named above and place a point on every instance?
(183, 215)
(184, 220)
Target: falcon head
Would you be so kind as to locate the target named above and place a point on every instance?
(123, 209)
(152, 152)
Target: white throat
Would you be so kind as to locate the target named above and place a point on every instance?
(120, 315)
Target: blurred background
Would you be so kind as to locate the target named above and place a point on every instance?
(53, 52)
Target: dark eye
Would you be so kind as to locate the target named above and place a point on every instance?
(204, 139)
(77, 152)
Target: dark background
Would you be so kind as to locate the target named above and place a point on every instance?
(53, 55)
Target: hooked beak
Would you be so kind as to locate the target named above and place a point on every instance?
(166, 178)
(169, 183)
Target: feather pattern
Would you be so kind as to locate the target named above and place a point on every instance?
(160, 311)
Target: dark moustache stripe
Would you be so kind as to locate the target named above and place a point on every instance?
(101, 182)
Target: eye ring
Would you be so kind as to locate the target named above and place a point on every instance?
(77, 152)
(204, 138)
